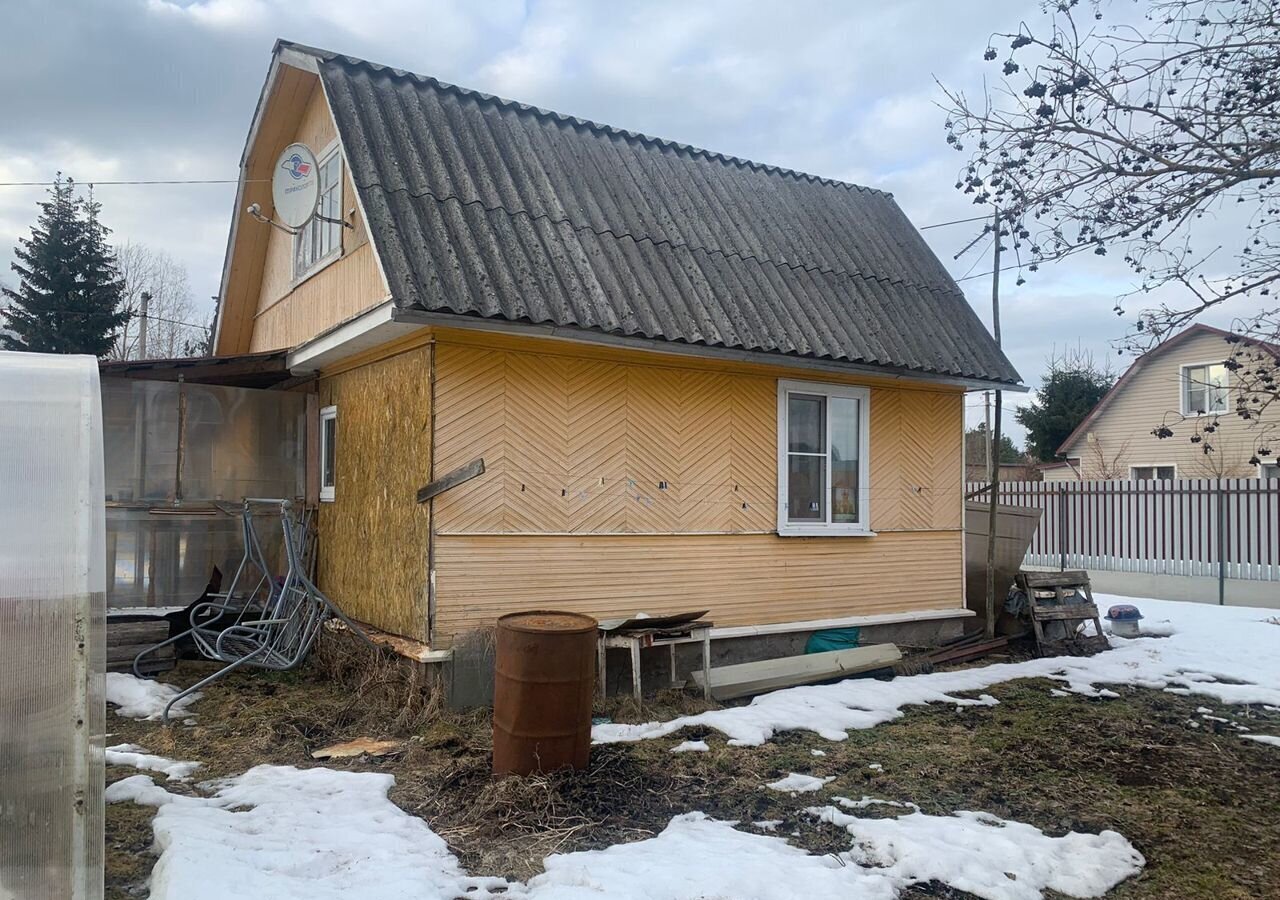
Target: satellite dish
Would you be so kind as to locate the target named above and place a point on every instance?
(295, 185)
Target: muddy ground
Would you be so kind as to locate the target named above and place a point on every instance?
(1201, 804)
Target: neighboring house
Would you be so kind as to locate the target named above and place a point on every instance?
(1058, 471)
(1181, 383)
(696, 382)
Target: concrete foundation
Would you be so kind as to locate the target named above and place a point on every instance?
(469, 674)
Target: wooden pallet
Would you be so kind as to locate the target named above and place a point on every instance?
(126, 639)
(1047, 595)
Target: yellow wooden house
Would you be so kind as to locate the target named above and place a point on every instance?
(696, 382)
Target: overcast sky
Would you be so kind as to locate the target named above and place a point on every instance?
(164, 89)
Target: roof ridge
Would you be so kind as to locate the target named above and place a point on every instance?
(329, 56)
(685, 245)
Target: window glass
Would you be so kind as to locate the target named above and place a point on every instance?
(805, 424)
(319, 239)
(805, 477)
(1269, 471)
(844, 459)
(1204, 389)
(328, 452)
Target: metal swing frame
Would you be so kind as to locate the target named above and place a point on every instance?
(260, 621)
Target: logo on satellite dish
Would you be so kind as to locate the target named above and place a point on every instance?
(296, 166)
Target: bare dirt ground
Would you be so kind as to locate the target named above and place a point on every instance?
(1201, 804)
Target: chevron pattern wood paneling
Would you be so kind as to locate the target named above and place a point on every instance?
(584, 446)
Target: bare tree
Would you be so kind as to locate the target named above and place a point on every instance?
(1103, 465)
(1159, 141)
(170, 310)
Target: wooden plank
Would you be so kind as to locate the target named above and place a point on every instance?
(1047, 580)
(745, 679)
(1066, 613)
(137, 632)
(460, 475)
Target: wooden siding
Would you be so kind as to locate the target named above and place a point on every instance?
(289, 312)
(1153, 394)
(748, 579)
(374, 536)
(581, 445)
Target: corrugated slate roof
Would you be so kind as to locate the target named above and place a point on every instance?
(482, 206)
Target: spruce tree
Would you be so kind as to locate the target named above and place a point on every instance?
(70, 291)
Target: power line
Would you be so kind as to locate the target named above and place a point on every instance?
(954, 222)
(133, 317)
(152, 181)
(985, 274)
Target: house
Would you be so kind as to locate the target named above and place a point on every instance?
(695, 381)
(1184, 384)
(1060, 470)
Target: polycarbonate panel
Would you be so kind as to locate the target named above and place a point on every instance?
(242, 442)
(52, 568)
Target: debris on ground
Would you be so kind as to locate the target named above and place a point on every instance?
(359, 747)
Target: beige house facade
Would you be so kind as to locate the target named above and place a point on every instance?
(1185, 386)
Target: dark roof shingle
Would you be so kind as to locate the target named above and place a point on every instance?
(481, 206)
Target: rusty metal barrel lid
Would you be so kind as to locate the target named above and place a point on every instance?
(542, 621)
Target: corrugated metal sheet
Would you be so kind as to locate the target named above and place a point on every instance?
(486, 207)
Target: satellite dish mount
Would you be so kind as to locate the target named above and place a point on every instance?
(295, 191)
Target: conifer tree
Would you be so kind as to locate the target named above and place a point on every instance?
(69, 291)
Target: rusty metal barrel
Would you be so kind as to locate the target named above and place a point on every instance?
(544, 682)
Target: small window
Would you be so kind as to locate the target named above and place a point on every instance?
(1269, 471)
(328, 451)
(822, 459)
(1153, 473)
(1204, 389)
(320, 240)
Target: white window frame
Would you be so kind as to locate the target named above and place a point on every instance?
(1263, 465)
(861, 528)
(1184, 383)
(328, 413)
(304, 233)
(1153, 467)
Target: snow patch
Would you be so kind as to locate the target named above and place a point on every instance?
(872, 801)
(1263, 739)
(797, 783)
(1227, 653)
(697, 746)
(818, 752)
(140, 698)
(767, 824)
(138, 758)
(986, 855)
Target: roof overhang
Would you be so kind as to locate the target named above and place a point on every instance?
(360, 334)
(250, 370)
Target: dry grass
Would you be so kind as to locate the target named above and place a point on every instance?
(1200, 803)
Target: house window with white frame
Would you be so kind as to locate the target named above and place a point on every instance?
(1269, 471)
(1204, 389)
(319, 241)
(1152, 473)
(822, 459)
(328, 451)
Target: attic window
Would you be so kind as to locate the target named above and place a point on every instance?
(319, 241)
(1204, 389)
(822, 459)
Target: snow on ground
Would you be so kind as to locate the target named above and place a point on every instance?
(1262, 739)
(987, 855)
(141, 698)
(797, 782)
(133, 755)
(687, 746)
(1208, 650)
(308, 834)
(320, 834)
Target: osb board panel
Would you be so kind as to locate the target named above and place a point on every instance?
(746, 579)
(584, 445)
(374, 536)
(290, 314)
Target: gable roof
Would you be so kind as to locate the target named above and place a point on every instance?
(485, 207)
(1130, 373)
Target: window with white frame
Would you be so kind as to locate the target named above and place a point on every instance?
(328, 451)
(1204, 389)
(1269, 471)
(822, 459)
(319, 241)
(1152, 473)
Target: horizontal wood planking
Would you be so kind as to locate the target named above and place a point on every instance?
(583, 444)
(744, 579)
(289, 313)
(373, 536)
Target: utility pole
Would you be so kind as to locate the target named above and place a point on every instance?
(986, 445)
(994, 447)
(144, 301)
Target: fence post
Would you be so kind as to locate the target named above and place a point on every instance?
(1062, 526)
(1222, 547)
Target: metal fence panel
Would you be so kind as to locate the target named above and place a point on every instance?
(52, 580)
(1192, 526)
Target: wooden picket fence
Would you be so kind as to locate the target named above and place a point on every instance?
(1227, 527)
